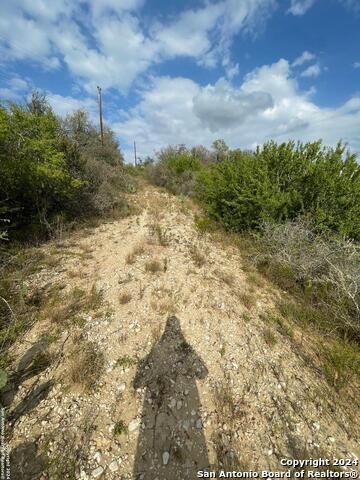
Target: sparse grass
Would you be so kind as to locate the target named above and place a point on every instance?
(120, 428)
(341, 364)
(304, 314)
(281, 275)
(79, 273)
(247, 299)
(153, 266)
(222, 350)
(159, 235)
(156, 334)
(282, 325)
(41, 362)
(225, 401)
(205, 224)
(164, 306)
(124, 297)
(226, 277)
(60, 309)
(86, 364)
(269, 337)
(197, 257)
(125, 362)
(254, 279)
(51, 261)
(134, 254)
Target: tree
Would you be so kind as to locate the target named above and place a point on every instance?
(221, 149)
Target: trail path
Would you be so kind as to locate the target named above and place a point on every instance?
(219, 377)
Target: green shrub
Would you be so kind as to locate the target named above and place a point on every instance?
(175, 170)
(53, 169)
(280, 182)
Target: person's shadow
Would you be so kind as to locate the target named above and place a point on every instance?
(171, 441)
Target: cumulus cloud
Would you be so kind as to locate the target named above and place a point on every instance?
(312, 71)
(356, 64)
(168, 113)
(220, 106)
(300, 7)
(103, 41)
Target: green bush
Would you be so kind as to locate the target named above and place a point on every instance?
(52, 168)
(175, 170)
(280, 182)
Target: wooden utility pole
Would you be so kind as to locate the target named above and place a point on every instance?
(100, 116)
(135, 153)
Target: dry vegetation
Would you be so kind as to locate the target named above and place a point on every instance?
(86, 364)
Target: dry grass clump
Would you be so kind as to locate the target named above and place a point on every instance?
(247, 299)
(86, 365)
(77, 273)
(60, 309)
(124, 298)
(197, 257)
(167, 306)
(255, 280)
(153, 266)
(135, 252)
(156, 334)
(158, 235)
(226, 277)
(229, 411)
(269, 337)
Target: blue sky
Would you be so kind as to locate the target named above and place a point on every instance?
(191, 71)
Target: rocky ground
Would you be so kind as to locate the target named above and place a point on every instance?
(171, 364)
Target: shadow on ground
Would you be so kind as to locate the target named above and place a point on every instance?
(171, 442)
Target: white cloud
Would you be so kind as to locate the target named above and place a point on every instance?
(15, 89)
(300, 7)
(354, 5)
(303, 58)
(63, 105)
(103, 41)
(168, 113)
(312, 71)
(221, 106)
(356, 64)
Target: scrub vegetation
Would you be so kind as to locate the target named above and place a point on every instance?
(293, 209)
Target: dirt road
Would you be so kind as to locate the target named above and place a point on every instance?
(188, 368)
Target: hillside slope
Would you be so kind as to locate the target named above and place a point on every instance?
(161, 357)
